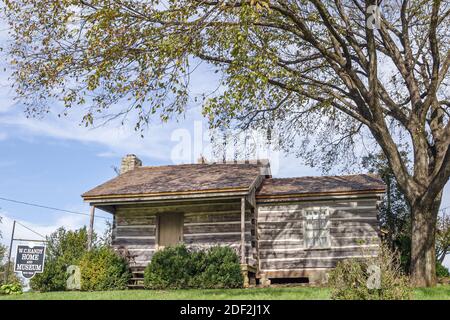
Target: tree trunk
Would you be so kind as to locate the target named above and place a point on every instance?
(423, 238)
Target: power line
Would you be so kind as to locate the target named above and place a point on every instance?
(28, 228)
(50, 208)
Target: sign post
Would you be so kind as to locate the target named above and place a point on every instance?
(29, 260)
(8, 262)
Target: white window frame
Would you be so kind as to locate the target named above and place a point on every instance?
(322, 216)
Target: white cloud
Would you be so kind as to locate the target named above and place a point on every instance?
(118, 139)
(107, 154)
(68, 221)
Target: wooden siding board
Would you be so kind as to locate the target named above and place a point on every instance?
(328, 262)
(274, 245)
(179, 208)
(135, 231)
(215, 239)
(229, 216)
(281, 224)
(337, 205)
(343, 241)
(304, 254)
(211, 228)
(128, 220)
(276, 234)
(129, 241)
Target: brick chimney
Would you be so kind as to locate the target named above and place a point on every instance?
(130, 162)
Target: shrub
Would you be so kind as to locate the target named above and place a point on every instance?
(12, 288)
(170, 268)
(219, 268)
(178, 267)
(52, 279)
(441, 271)
(2, 255)
(12, 277)
(351, 279)
(103, 269)
(64, 248)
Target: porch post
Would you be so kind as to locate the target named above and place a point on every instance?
(91, 228)
(243, 230)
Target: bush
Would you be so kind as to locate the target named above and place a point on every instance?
(170, 268)
(103, 269)
(219, 268)
(64, 248)
(441, 271)
(352, 279)
(52, 279)
(12, 277)
(12, 288)
(178, 267)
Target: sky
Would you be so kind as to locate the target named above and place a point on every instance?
(51, 161)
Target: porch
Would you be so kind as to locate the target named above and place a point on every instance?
(140, 229)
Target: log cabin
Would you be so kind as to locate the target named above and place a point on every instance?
(283, 229)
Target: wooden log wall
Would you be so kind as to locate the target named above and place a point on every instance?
(353, 232)
(134, 231)
(205, 225)
(203, 230)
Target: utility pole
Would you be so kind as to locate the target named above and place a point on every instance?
(9, 252)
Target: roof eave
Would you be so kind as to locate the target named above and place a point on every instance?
(321, 195)
(230, 193)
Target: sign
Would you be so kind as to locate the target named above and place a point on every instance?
(29, 260)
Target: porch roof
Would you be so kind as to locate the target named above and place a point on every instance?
(179, 180)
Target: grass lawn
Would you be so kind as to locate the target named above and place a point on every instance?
(280, 293)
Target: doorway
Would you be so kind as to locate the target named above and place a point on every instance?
(170, 229)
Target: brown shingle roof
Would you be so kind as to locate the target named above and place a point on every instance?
(179, 178)
(319, 185)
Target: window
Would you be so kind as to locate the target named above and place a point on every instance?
(317, 228)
